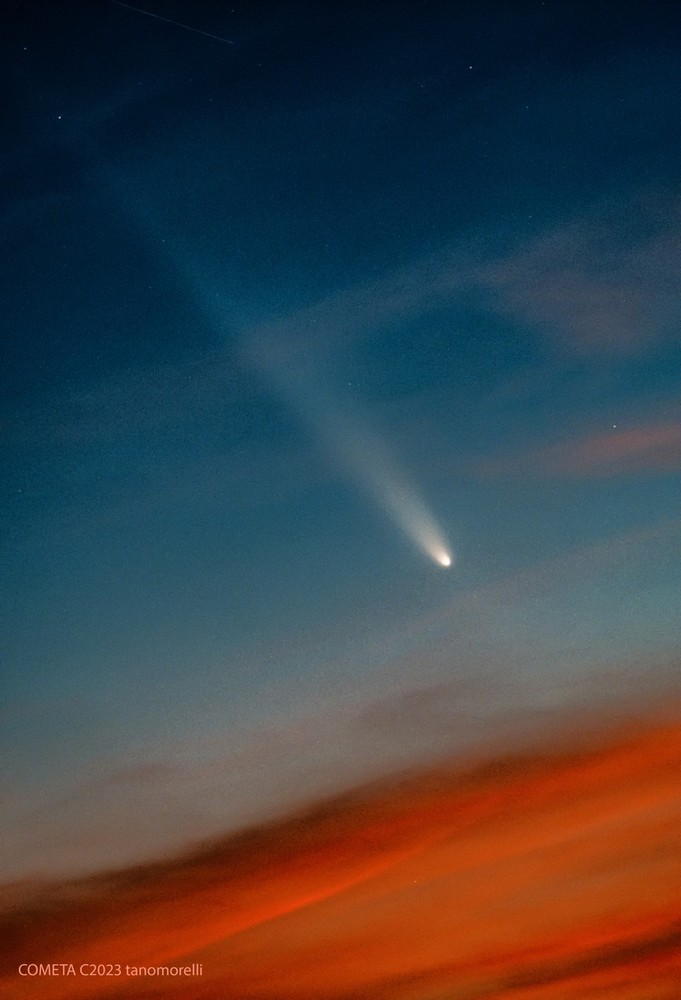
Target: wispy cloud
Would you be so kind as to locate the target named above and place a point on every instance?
(604, 284)
(649, 448)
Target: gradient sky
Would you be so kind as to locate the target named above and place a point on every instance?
(261, 298)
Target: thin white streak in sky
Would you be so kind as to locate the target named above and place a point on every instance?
(169, 20)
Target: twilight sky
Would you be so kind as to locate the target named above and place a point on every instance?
(288, 312)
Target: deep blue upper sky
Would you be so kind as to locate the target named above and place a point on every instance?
(258, 298)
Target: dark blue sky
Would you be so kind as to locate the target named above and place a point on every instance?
(277, 314)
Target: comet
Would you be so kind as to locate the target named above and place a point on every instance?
(401, 501)
(351, 445)
(284, 364)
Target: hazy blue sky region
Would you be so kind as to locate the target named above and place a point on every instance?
(289, 323)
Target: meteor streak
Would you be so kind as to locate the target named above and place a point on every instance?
(169, 20)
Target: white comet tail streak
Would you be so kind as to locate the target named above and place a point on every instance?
(366, 458)
(350, 445)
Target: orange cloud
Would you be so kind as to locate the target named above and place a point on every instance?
(550, 873)
(652, 448)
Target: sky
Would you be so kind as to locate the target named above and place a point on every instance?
(340, 402)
